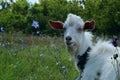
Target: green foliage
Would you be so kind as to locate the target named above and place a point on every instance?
(106, 14)
(18, 16)
(34, 58)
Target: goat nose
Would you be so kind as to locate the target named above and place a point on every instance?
(68, 38)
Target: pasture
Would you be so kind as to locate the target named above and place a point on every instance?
(27, 57)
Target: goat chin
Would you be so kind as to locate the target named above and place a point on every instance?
(72, 49)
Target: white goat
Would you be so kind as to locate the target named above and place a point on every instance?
(95, 61)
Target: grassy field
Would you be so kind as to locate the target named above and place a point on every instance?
(27, 57)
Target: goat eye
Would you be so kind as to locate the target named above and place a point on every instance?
(79, 29)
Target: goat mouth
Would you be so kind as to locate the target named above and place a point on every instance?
(70, 43)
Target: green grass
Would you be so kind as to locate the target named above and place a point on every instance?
(34, 58)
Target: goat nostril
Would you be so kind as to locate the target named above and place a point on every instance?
(68, 38)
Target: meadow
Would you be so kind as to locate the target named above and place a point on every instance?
(28, 57)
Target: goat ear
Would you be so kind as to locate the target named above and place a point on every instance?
(89, 25)
(56, 25)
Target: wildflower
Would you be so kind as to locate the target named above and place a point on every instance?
(64, 71)
(63, 67)
(41, 54)
(47, 67)
(57, 63)
(1, 29)
(114, 42)
(0, 7)
(77, 78)
(38, 32)
(21, 47)
(14, 54)
(11, 50)
(52, 44)
(3, 45)
(35, 24)
(82, 5)
(8, 43)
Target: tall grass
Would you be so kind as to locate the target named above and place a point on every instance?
(27, 57)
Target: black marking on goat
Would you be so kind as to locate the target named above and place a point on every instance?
(98, 75)
(83, 59)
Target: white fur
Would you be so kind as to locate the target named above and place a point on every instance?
(100, 55)
(100, 61)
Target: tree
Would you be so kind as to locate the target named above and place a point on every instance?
(19, 15)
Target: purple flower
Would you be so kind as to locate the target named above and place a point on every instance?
(35, 24)
(77, 78)
(3, 45)
(114, 42)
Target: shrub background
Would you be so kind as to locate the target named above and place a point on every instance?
(18, 16)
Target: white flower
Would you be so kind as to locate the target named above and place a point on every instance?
(8, 43)
(47, 67)
(82, 5)
(1, 29)
(64, 71)
(57, 63)
(14, 54)
(41, 54)
(38, 32)
(63, 67)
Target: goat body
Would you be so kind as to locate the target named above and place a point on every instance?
(100, 61)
